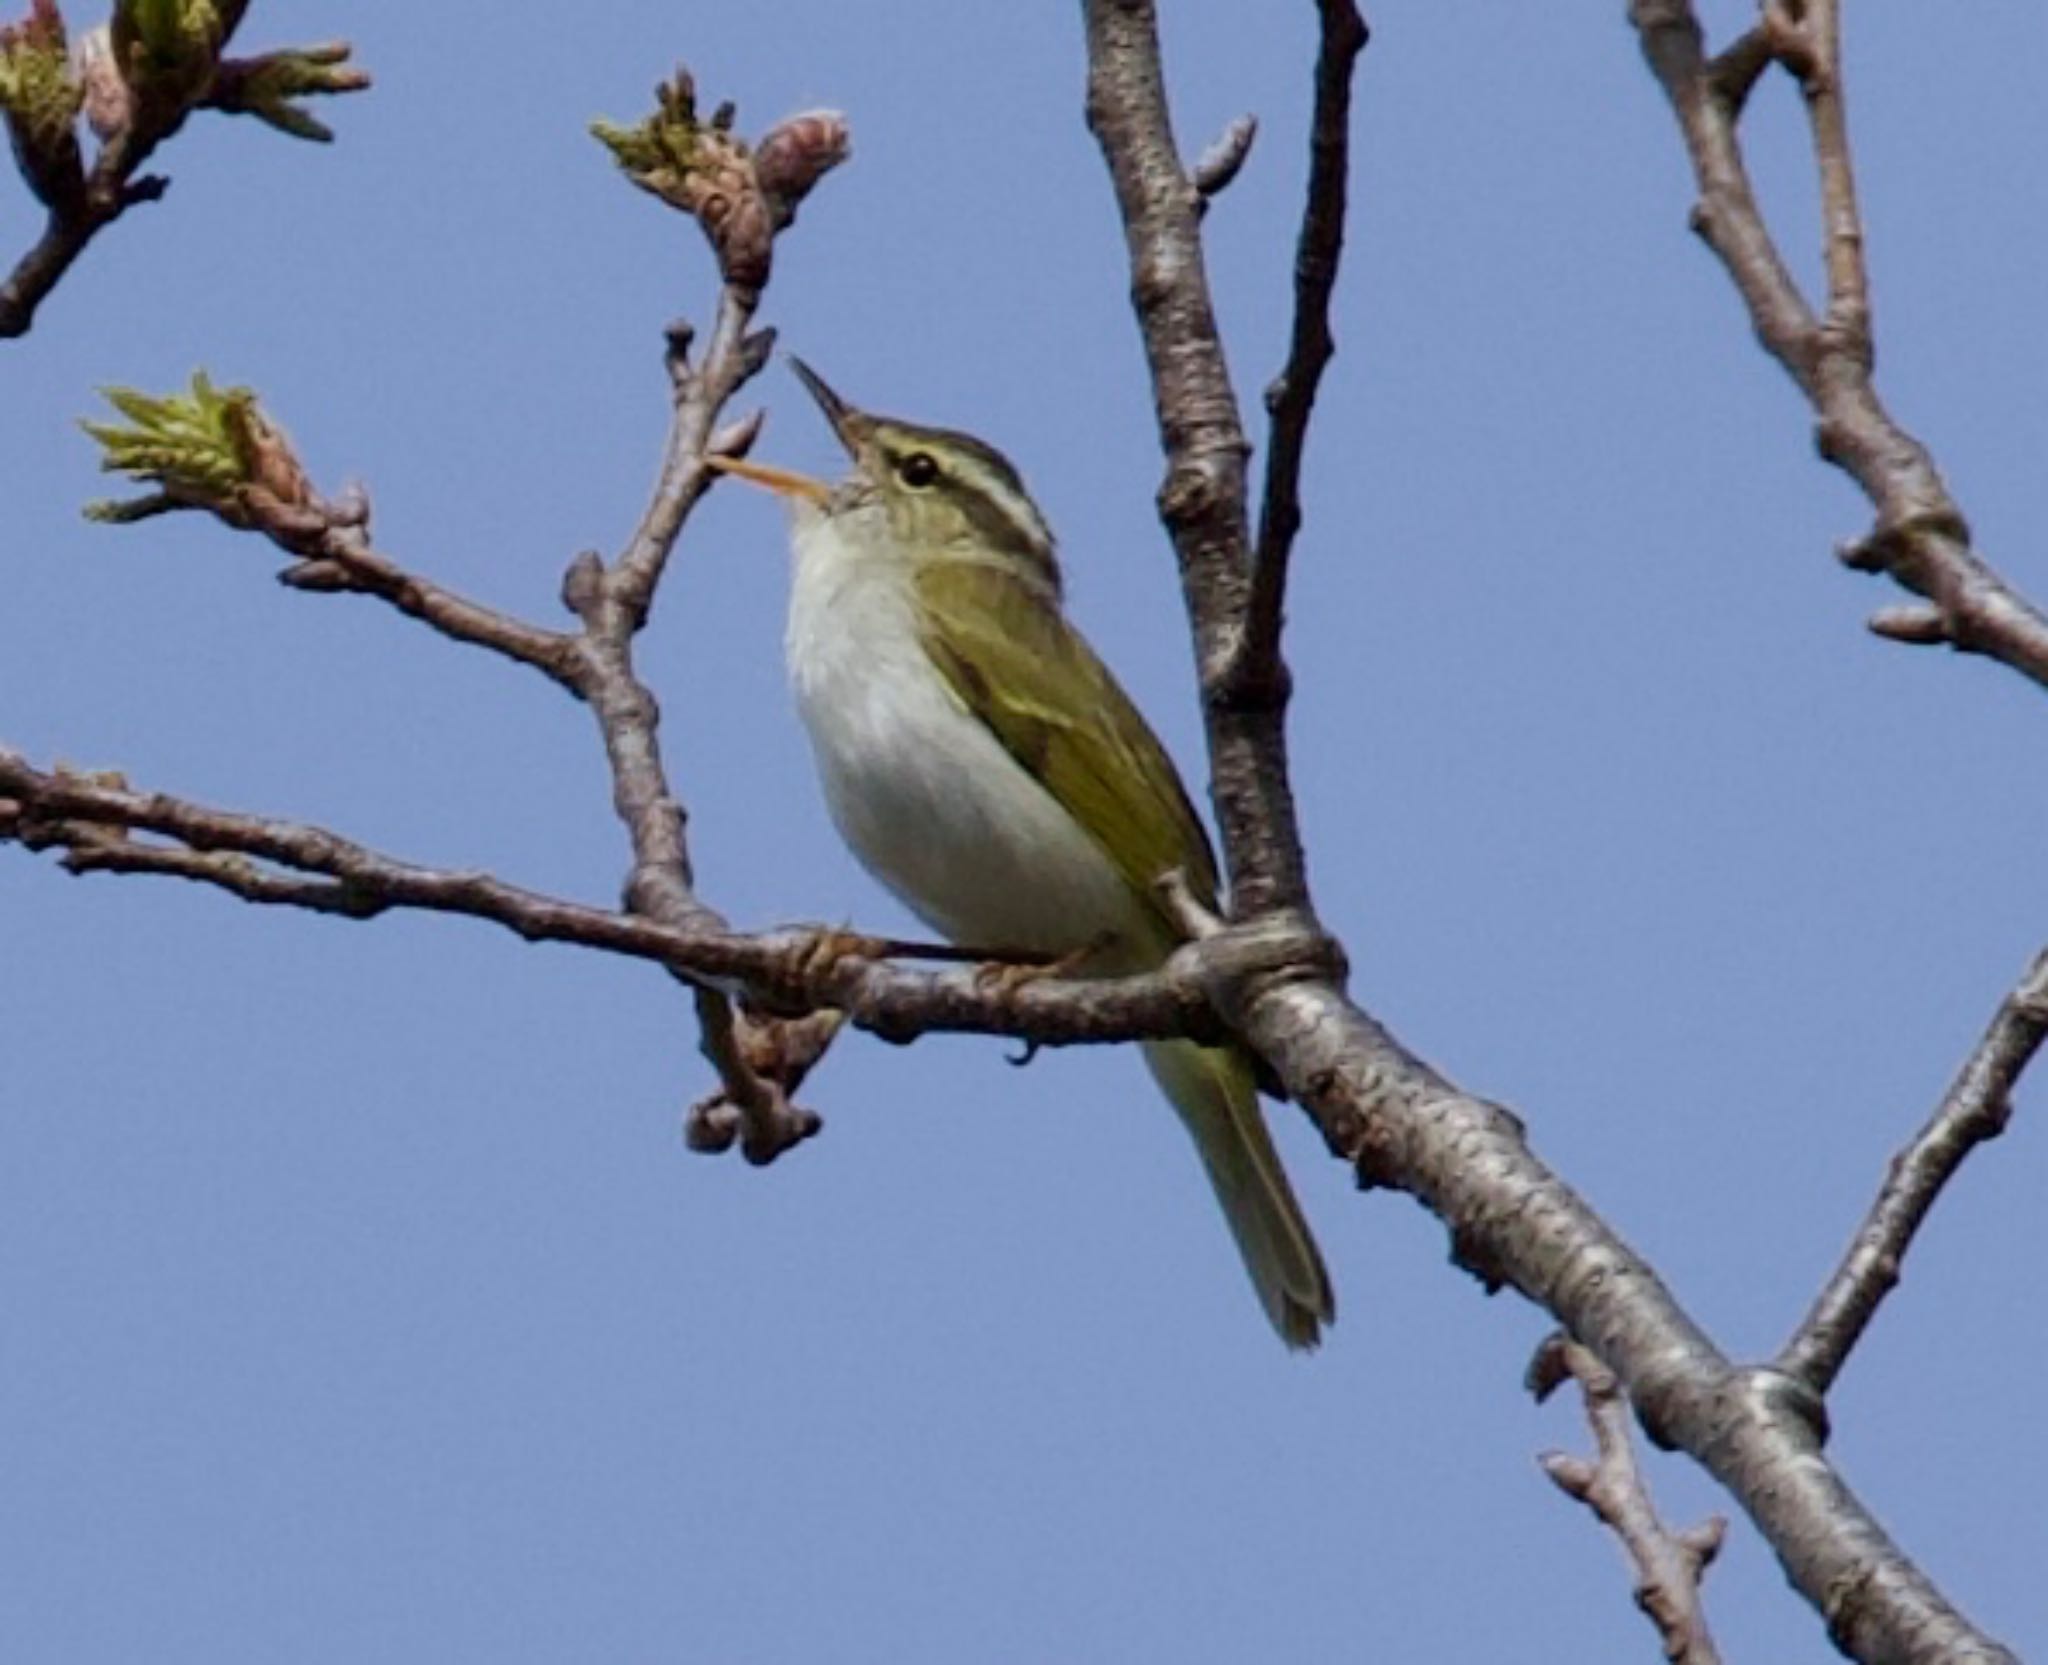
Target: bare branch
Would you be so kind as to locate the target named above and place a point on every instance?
(732, 357)
(742, 200)
(1202, 499)
(1812, 46)
(92, 819)
(1920, 538)
(1512, 1220)
(1291, 398)
(1669, 1565)
(614, 603)
(1976, 1108)
(342, 559)
(89, 850)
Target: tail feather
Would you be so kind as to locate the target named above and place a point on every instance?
(1213, 1090)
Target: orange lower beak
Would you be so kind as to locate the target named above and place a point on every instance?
(783, 481)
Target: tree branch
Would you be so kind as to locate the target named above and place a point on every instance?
(1920, 537)
(614, 603)
(742, 200)
(341, 559)
(1976, 1108)
(1512, 1220)
(1291, 398)
(92, 819)
(1202, 499)
(1669, 1565)
(216, 450)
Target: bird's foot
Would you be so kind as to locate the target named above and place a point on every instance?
(1003, 978)
(807, 966)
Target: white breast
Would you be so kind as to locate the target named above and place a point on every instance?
(923, 794)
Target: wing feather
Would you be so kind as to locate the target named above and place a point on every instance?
(1016, 664)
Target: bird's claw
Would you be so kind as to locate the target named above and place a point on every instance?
(805, 969)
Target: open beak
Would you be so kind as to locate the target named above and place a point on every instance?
(848, 423)
(786, 482)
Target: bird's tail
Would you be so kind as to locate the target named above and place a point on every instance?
(1212, 1089)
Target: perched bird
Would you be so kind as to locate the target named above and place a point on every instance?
(982, 763)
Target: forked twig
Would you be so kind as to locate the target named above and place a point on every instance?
(1920, 538)
(1669, 1566)
(1975, 1108)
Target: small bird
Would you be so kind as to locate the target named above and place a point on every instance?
(982, 762)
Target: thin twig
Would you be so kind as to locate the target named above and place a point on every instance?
(742, 197)
(1975, 1108)
(1920, 537)
(343, 560)
(1290, 400)
(1669, 1566)
(732, 357)
(1203, 497)
(1819, 61)
(112, 188)
(614, 603)
(89, 850)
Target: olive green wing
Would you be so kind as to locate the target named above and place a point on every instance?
(1016, 664)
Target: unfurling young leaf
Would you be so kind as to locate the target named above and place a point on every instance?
(210, 449)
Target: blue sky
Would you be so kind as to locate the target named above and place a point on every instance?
(360, 1298)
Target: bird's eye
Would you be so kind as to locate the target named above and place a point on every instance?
(918, 470)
